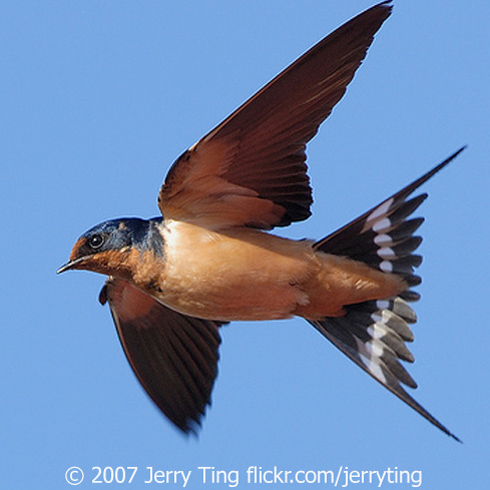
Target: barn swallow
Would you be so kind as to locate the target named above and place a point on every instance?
(210, 259)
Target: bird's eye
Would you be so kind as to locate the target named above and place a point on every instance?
(95, 241)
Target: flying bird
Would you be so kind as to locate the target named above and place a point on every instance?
(210, 259)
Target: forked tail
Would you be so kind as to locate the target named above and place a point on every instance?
(373, 333)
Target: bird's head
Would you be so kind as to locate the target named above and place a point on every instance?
(112, 247)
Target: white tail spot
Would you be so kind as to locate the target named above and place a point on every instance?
(380, 210)
(381, 225)
(386, 252)
(383, 304)
(382, 316)
(386, 266)
(377, 330)
(373, 367)
(383, 239)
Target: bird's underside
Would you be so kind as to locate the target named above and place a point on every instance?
(246, 274)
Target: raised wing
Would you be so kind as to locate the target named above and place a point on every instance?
(173, 356)
(250, 170)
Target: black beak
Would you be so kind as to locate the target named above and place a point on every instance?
(71, 264)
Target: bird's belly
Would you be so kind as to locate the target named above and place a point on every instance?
(237, 302)
(252, 276)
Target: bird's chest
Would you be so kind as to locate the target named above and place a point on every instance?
(254, 276)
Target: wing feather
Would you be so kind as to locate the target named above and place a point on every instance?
(250, 170)
(173, 356)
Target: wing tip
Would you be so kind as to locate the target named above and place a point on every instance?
(456, 438)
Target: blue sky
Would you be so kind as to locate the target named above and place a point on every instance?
(98, 99)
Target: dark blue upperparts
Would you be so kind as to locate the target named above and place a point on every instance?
(123, 232)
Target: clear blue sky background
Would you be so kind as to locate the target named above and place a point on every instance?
(97, 99)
